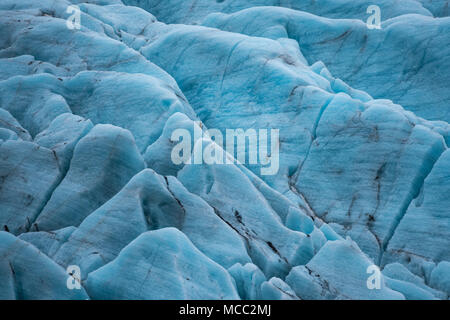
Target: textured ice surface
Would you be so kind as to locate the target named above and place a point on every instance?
(339, 271)
(26, 273)
(87, 179)
(161, 264)
(179, 11)
(103, 162)
(408, 53)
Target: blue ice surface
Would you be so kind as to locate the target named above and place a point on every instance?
(412, 65)
(26, 273)
(169, 267)
(87, 178)
(191, 12)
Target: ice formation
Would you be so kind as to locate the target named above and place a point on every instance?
(86, 176)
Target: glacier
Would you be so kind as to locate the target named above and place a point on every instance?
(360, 205)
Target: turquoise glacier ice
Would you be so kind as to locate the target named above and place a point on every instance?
(93, 205)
